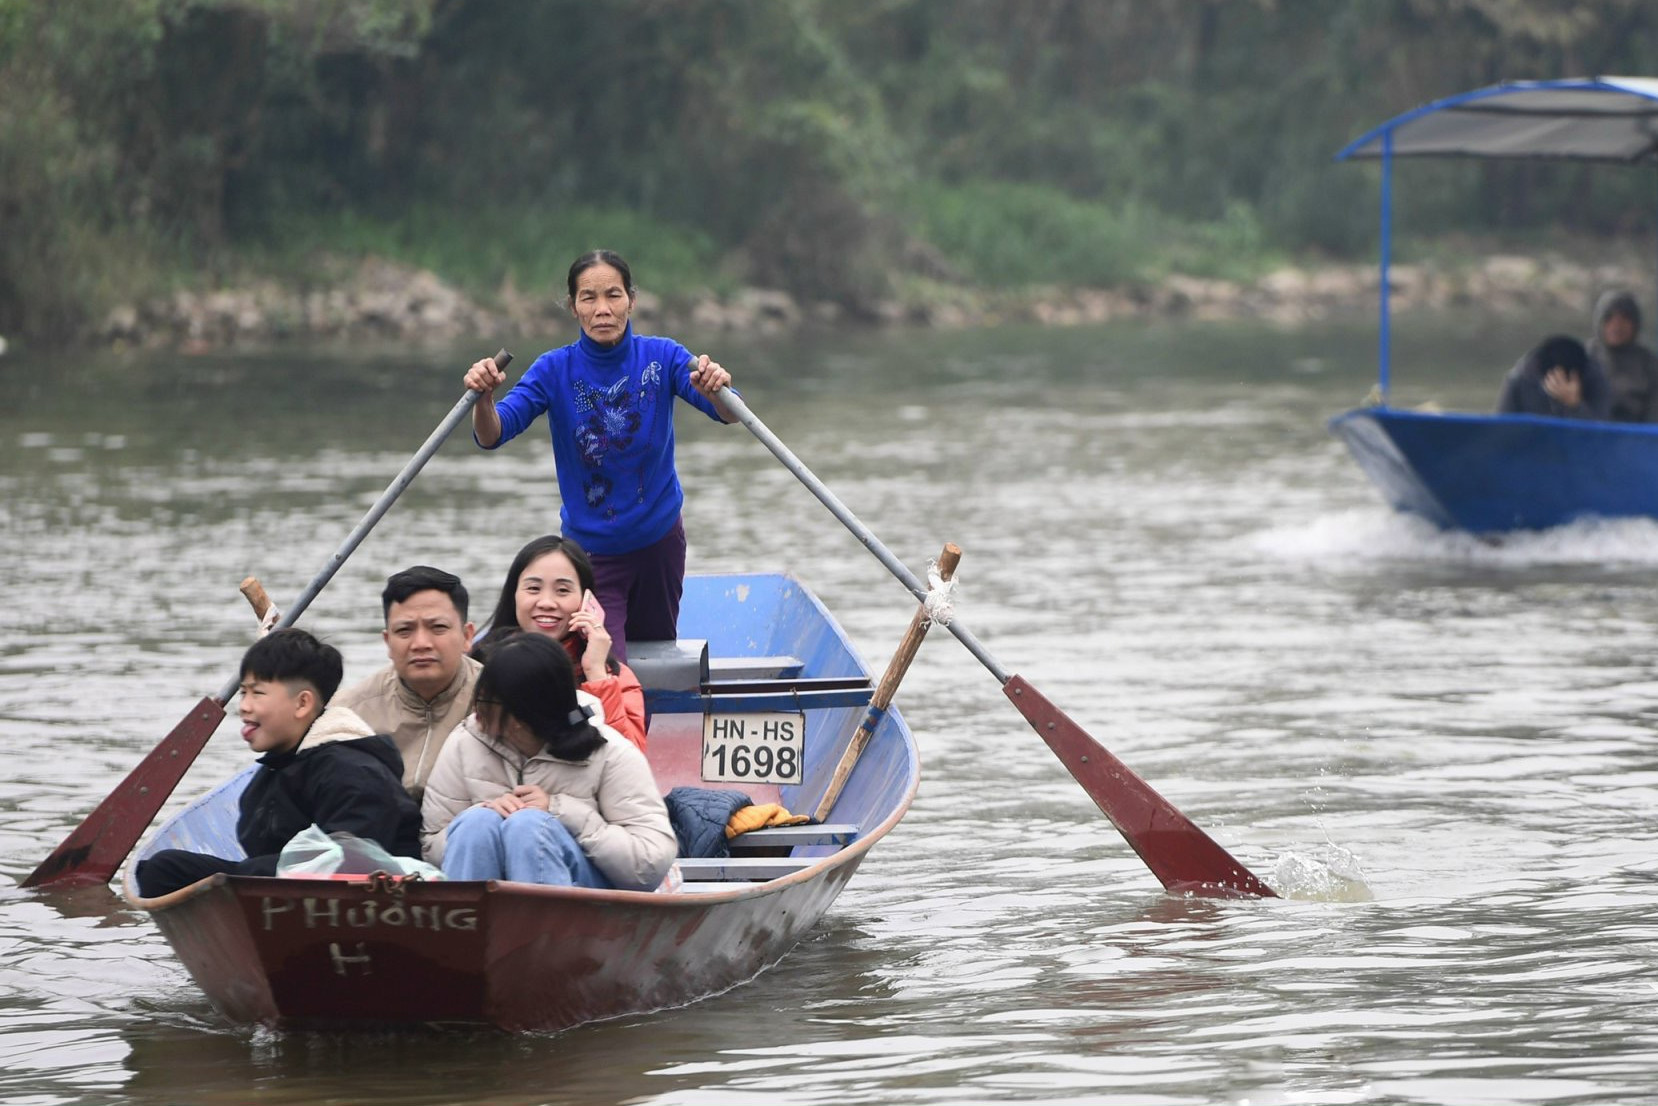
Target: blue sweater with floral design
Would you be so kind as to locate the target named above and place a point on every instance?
(610, 411)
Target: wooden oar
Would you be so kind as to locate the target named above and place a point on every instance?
(96, 848)
(1184, 858)
(882, 699)
(254, 592)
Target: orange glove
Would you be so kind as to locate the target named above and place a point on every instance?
(755, 816)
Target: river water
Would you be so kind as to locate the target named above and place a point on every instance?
(1440, 749)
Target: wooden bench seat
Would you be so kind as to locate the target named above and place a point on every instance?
(754, 668)
(685, 665)
(762, 854)
(680, 677)
(700, 868)
(754, 696)
(774, 837)
(715, 886)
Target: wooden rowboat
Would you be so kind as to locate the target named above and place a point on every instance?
(377, 951)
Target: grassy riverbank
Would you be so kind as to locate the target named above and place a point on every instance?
(487, 273)
(981, 239)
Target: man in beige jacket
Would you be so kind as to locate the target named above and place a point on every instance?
(427, 689)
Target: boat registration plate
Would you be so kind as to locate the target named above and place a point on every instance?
(766, 747)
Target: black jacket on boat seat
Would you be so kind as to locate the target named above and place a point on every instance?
(699, 815)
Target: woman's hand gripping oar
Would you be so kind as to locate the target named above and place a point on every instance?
(1184, 858)
(96, 847)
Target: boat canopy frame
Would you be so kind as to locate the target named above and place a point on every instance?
(1607, 119)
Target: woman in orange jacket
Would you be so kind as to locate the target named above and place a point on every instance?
(549, 591)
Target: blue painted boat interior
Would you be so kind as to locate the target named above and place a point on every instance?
(775, 615)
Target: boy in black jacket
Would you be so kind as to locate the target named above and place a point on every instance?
(319, 766)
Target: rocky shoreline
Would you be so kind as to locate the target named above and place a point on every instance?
(379, 300)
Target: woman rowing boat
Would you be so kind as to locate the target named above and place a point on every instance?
(608, 398)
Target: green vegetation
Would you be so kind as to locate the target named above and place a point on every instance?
(481, 250)
(837, 150)
(1012, 235)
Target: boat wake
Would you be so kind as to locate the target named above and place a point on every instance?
(1378, 535)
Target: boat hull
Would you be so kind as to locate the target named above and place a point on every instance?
(1494, 473)
(320, 953)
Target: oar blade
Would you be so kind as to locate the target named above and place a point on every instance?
(1184, 858)
(92, 853)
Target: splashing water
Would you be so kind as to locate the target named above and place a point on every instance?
(1329, 873)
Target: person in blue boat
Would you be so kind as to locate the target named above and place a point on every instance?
(1631, 368)
(534, 787)
(608, 398)
(321, 765)
(1556, 378)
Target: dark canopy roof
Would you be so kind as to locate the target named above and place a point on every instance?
(1590, 119)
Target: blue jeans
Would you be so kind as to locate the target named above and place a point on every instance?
(531, 846)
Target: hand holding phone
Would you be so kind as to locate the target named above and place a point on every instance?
(590, 607)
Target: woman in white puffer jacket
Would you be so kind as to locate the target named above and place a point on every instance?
(534, 788)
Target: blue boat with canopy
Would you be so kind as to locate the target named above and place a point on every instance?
(1487, 473)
